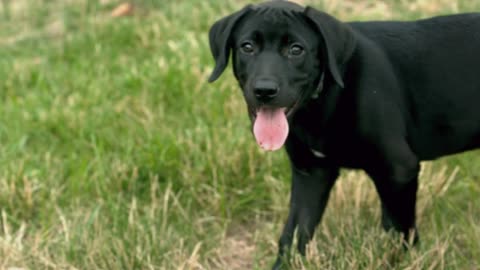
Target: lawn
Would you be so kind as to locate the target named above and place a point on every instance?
(115, 153)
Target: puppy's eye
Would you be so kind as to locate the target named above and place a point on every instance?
(247, 48)
(296, 50)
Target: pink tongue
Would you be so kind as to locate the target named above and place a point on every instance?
(271, 128)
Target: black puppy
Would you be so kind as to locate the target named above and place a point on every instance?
(380, 96)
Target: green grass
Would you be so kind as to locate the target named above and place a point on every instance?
(116, 154)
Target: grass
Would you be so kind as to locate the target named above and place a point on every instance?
(116, 154)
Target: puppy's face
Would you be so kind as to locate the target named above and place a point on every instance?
(277, 63)
(281, 52)
(276, 60)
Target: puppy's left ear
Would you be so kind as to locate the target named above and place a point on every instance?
(219, 38)
(338, 38)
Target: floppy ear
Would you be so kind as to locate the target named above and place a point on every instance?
(219, 37)
(339, 40)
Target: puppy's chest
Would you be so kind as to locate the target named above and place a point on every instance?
(333, 144)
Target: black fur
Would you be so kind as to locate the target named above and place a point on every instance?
(379, 96)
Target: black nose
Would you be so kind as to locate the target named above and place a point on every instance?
(265, 90)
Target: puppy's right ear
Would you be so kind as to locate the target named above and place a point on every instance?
(219, 38)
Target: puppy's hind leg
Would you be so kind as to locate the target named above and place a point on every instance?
(397, 183)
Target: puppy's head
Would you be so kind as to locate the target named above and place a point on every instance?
(281, 52)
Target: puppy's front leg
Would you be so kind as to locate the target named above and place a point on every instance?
(308, 199)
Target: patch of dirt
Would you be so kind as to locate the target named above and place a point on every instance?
(122, 10)
(236, 252)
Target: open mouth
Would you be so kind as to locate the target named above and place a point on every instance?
(271, 125)
(288, 111)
